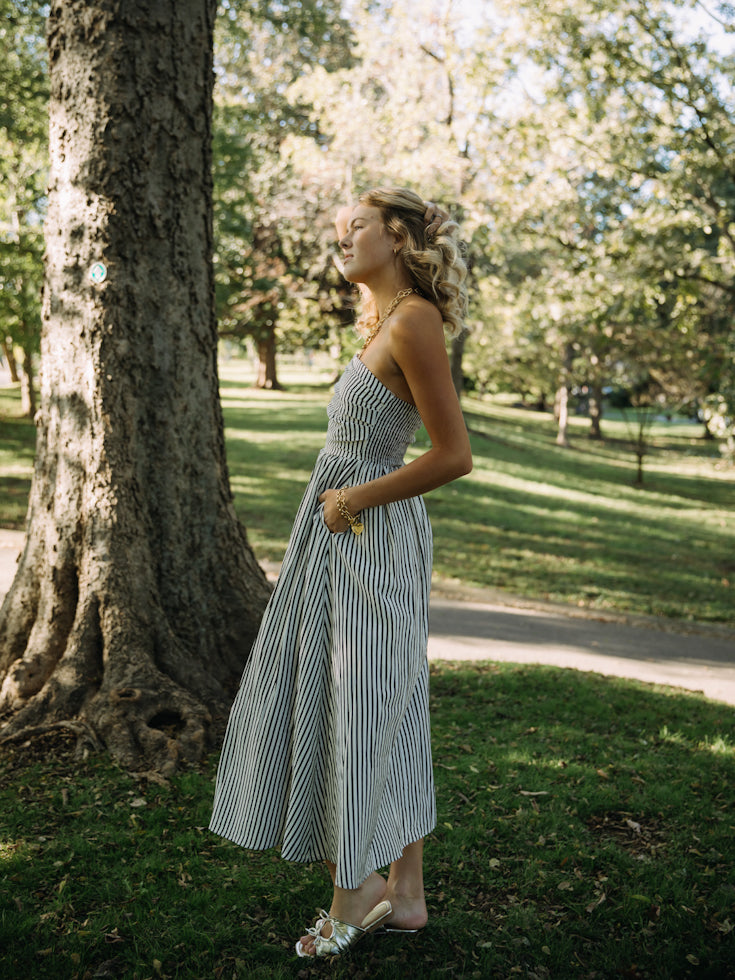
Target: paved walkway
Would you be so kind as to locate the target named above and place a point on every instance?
(478, 624)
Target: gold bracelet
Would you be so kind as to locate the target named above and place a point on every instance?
(356, 525)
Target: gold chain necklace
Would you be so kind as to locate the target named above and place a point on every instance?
(391, 306)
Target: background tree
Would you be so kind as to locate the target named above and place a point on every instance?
(266, 243)
(23, 173)
(137, 596)
(626, 131)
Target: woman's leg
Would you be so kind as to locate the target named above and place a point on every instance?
(406, 888)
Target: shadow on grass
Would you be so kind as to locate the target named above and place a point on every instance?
(584, 830)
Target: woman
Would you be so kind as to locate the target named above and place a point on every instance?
(327, 750)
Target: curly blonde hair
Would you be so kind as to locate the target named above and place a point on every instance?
(435, 265)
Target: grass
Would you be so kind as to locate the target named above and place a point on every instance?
(533, 519)
(585, 824)
(585, 830)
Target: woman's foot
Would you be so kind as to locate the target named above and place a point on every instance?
(351, 905)
(409, 911)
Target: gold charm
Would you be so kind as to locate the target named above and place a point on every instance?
(358, 527)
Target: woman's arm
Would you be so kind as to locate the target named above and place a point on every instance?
(416, 343)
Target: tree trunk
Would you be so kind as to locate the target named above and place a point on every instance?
(8, 355)
(137, 596)
(561, 402)
(267, 376)
(595, 403)
(27, 389)
(457, 356)
(561, 411)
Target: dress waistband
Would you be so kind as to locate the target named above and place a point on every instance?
(334, 449)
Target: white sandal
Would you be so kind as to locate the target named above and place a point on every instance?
(344, 934)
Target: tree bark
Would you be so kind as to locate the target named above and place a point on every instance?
(137, 596)
(561, 411)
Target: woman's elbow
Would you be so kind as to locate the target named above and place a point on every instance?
(465, 464)
(461, 464)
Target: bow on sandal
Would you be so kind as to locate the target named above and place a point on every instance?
(344, 934)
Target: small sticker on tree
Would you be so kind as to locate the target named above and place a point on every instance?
(98, 272)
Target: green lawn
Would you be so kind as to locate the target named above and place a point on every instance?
(585, 830)
(534, 519)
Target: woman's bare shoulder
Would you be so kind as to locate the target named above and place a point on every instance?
(413, 318)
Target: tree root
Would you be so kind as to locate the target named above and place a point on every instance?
(86, 736)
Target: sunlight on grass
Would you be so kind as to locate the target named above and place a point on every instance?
(9, 849)
(720, 745)
(533, 519)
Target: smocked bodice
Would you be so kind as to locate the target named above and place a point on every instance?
(367, 420)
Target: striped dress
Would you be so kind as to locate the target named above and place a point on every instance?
(327, 751)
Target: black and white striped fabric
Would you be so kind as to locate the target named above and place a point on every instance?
(327, 752)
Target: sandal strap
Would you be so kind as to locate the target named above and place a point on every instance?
(344, 935)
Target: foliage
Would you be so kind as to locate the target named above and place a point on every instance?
(582, 832)
(621, 216)
(586, 146)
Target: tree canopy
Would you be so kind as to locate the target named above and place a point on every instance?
(587, 146)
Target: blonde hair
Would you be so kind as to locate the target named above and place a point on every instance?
(435, 265)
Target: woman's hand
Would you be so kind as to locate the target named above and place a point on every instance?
(332, 517)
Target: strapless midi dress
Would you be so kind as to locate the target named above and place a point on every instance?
(327, 751)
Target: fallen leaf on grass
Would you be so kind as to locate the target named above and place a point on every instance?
(602, 897)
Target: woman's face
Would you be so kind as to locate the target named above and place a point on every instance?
(367, 245)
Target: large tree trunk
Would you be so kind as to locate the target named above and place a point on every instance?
(137, 596)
